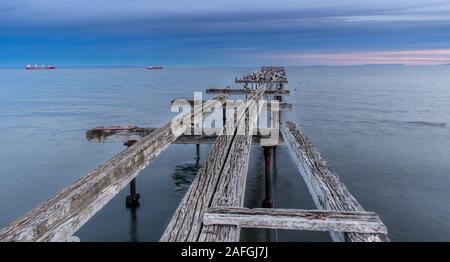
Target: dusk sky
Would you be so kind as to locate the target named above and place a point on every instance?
(223, 33)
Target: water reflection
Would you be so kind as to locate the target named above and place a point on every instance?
(133, 225)
(185, 174)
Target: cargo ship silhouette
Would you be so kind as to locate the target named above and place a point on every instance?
(42, 67)
(154, 67)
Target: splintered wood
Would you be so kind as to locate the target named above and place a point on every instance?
(139, 133)
(59, 217)
(327, 190)
(219, 182)
(296, 219)
(212, 209)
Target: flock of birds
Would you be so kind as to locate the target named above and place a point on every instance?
(267, 73)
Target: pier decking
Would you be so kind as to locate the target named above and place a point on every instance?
(212, 209)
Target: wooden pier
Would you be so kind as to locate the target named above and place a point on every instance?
(267, 74)
(212, 209)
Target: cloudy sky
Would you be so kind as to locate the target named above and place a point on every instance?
(216, 33)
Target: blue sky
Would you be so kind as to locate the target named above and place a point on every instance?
(229, 33)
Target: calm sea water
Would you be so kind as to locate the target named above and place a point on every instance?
(384, 129)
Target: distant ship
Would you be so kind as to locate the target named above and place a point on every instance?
(42, 67)
(154, 67)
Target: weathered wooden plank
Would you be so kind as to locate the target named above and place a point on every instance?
(243, 91)
(231, 189)
(139, 133)
(59, 217)
(186, 223)
(283, 106)
(232, 183)
(296, 219)
(327, 190)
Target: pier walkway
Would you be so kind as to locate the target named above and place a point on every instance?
(212, 209)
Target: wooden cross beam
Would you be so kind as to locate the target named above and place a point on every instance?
(296, 219)
(283, 106)
(137, 133)
(262, 81)
(243, 91)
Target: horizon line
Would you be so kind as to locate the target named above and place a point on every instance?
(212, 66)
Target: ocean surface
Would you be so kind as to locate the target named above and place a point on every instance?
(384, 129)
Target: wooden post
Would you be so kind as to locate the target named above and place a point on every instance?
(133, 187)
(132, 200)
(224, 116)
(197, 150)
(133, 225)
(268, 200)
(279, 98)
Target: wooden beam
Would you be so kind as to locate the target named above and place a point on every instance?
(186, 223)
(296, 219)
(283, 106)
(231, 190)
(244, 91)
(261, 81)
(59, 217)
(231, 187)
(138, 133)
(328, 192)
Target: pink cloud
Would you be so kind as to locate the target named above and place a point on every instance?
(411, 57)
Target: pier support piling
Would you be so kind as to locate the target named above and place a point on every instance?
(224, 115)
(268, 200)
(197, 150)
(132, 200)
